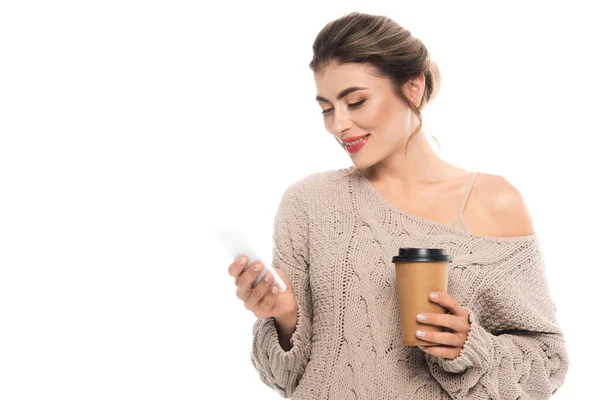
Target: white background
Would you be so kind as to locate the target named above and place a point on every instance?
(127, 129)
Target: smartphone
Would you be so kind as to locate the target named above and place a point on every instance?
(237, 245)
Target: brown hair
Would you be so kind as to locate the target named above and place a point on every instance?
(389, 50)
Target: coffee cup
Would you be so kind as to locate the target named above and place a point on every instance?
(419, 271)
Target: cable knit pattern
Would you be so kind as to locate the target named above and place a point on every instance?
(335, 235)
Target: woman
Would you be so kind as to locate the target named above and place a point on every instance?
(335, 333)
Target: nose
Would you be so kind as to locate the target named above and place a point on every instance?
(340, 124)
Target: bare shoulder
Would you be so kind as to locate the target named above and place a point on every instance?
(504, 211)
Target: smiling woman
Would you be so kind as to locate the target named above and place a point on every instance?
(383, 83)
(336, 231)
(380, 107)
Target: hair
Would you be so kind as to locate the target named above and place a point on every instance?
(388, 49)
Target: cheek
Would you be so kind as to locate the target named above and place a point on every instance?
(377, 115)
(388, 116)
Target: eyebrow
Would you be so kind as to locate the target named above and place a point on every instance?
(343, 93)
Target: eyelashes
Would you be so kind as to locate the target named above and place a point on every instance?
(351, 105)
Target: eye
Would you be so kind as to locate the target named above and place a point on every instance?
(352, 105)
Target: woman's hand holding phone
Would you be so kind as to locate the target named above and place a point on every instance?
(264, 299)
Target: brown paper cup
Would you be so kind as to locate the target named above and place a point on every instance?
(420, 271)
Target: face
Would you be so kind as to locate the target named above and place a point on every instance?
(375, 110)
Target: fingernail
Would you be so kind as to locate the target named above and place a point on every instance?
(242, 261)
(275, 289)
(255, 268)
(422, 347)
(420, 334)
(420, 317)
(266, 278)
(433, 295)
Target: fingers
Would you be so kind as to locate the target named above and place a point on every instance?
(264, 308)
(254, 295)
(259, 299)
(449, 302)
(457, 324)
(236, 267)
(450, 339)
(246, 279)
(441, 351)
(454, 323)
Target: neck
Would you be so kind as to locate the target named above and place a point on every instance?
(421, 166)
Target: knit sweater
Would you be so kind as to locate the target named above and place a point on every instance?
(335, 235)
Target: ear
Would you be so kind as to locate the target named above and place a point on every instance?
(414, 89)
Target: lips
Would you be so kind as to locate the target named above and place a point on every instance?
(356, 147)
(353, 138)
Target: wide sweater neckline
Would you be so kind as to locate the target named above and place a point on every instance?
(366, 186)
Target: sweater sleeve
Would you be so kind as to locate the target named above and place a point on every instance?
(515, 348)
(279, 369)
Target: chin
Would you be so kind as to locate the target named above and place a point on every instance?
(362, 163)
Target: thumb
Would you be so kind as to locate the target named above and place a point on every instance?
(283, 276)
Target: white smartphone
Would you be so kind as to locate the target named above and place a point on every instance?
(236, 245)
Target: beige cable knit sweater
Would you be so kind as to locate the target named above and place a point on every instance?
(335, 235)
